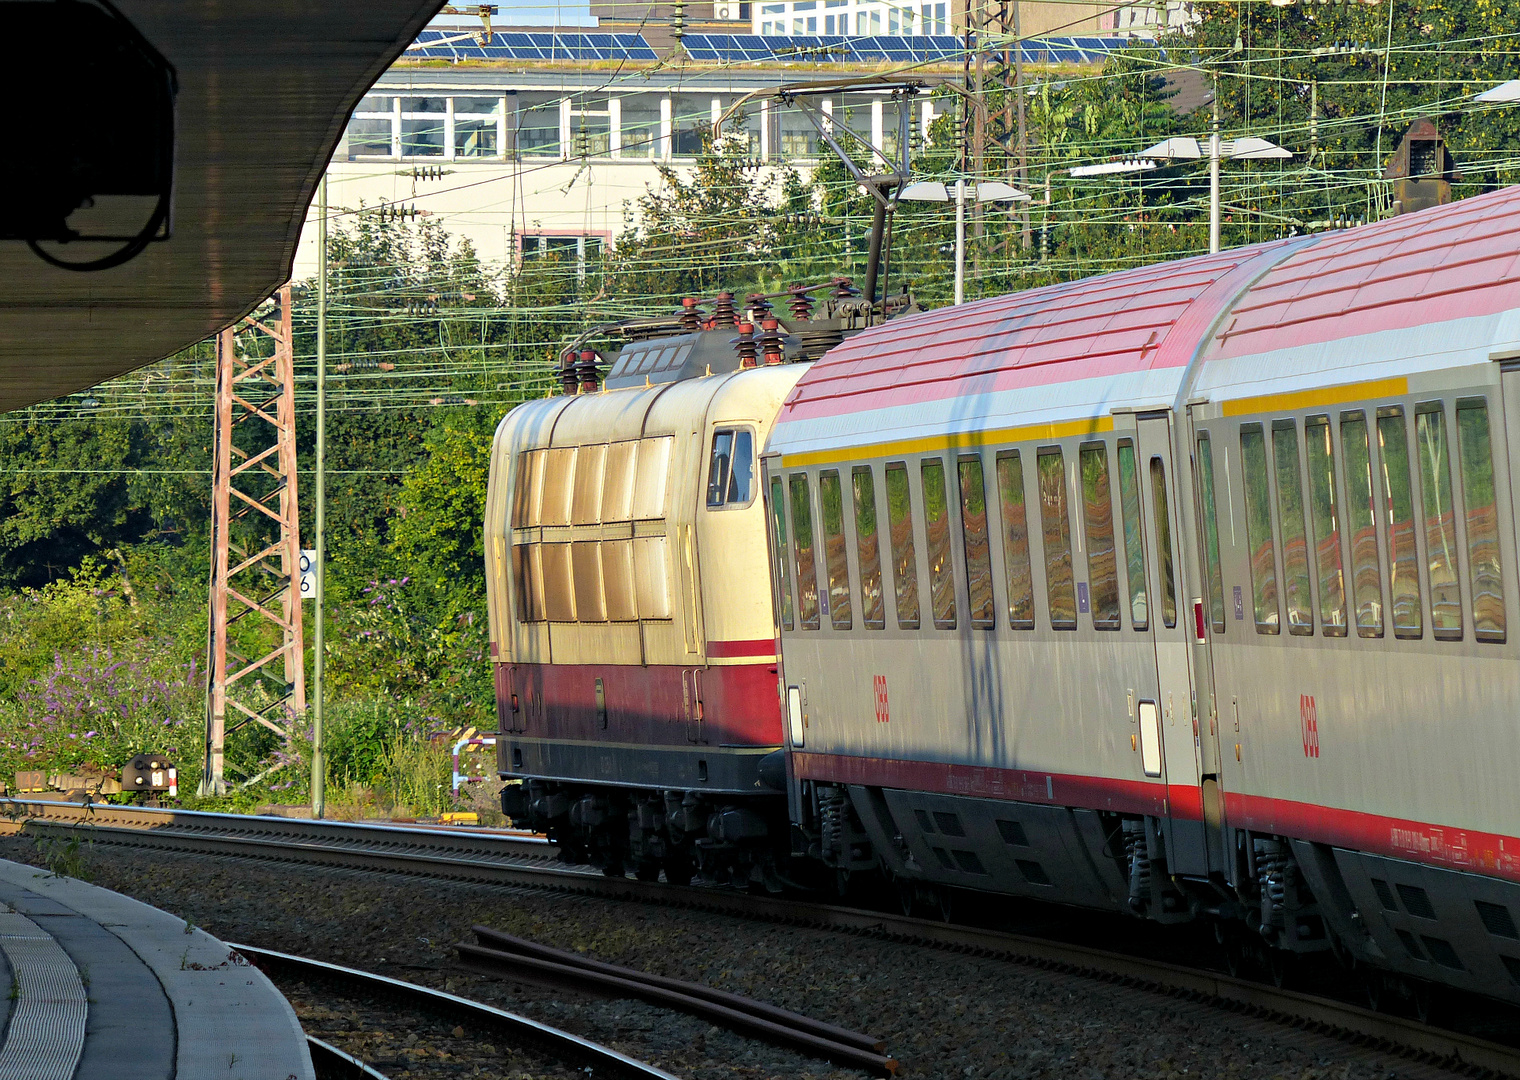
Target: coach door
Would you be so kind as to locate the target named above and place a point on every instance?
(1171, 626)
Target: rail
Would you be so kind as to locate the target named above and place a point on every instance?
(477, 856)
(505, 956)
(561, 1044)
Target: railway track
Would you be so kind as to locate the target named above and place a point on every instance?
(560, 1044)
(509, 860)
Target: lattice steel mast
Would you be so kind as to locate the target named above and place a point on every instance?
(255, 546)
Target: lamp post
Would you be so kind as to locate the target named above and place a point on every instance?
(983, 192)
(1506, 93)
(1183, 148)
(319, 659)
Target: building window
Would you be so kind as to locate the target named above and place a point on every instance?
(370, 131)
(476, 125)
(690, 123)
(423, 124)
(590, 128)
(538, 125)
(640, 124)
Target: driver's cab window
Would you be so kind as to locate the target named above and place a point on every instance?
(731, 468)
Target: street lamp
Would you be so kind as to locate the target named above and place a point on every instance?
(1505, 93)
(983, 192)
(1182, 148)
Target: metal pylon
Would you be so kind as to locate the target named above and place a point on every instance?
(255, 544)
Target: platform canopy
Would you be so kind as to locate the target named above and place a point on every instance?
(265, 91)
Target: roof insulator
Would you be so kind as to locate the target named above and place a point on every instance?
(723, 311)
(691, 318)
(800, 303)
(770, 340)
(745, 345)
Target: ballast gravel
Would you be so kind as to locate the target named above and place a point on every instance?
(941, 1014)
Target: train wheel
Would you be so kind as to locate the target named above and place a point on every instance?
(944, 904)
(1422, 1002)
(1372, 987)
(907, 894)
(647, 870)
(678, 868)
(1279, 966)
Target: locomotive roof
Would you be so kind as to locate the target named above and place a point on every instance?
(1265, 318)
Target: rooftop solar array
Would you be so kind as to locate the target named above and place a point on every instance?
(729, 48)
(876, 50)
(462, 45)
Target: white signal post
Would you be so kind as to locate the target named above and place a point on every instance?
(983, 192)
(1182, 148)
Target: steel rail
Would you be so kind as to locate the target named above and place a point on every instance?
(451, 1006)
(506, 957)
(478, 859)
(330, 1063)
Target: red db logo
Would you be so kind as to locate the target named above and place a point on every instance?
(1308, 719)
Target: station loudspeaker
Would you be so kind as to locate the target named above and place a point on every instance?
(93, 163)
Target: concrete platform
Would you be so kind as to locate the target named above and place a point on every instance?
(100, 985)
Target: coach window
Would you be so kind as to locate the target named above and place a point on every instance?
(937, 536)
(1134, 539)
(835, 556)
(974, 541)
(1475, 459)
(1164, 543)
(1295, 546)
(1327, 533)
(1020, 579)
(1398, 497)
(1050, 468)
(1258, 491)
(779, 554)
(802, 548)
(731, 469)
(904, 563)
(1098, 518)
(1366, 575)
(868, 548)
(1434, 454)
(1210, 532)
